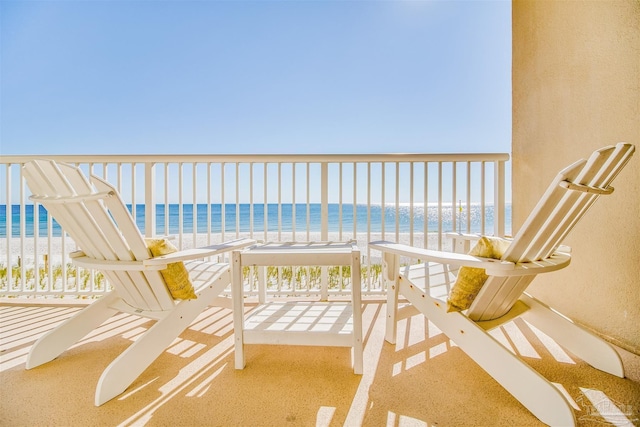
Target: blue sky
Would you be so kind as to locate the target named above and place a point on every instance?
(165, 77)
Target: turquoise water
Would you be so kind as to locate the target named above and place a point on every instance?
(374, 215)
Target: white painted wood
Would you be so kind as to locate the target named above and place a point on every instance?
(199, 253)
(560, 208)
(499, 198)
(262, 284)
(530, 388)
(149, 196)
(535, 249)
(53, 343)
(97, 219)
(356, 303)
(390, 264)
(294, 257)
(587, 346)
(147, 347)
(496, 266)
(87, 262)
(237, 297)
(324, 201)
(324, 323)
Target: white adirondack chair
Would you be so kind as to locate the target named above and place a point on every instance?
(96, 218)
(534, 250)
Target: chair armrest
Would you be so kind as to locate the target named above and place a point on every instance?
(493, 267)
(80, 259)
(475, 237)
(196, 253)
(452, 258)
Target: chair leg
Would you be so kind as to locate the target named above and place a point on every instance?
(525, 384)
(237, 297)
(587, 346)
(356, 302)
(134, 360)
(389, 272)
(56, 341)
(392, 312)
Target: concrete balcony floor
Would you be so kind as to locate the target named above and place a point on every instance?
(423, 380)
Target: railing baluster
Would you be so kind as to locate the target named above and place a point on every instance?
(411, 186)
(482, 197)
(23, 224)
(425, 207)
(166, 199)
(397, 204)
(454, 195)
(180, 204)
(293, 203)
(223, 203)
(209, 202)
(237, 179)
(324, 219)
(308, 201)
(324, 201)
(265, 212)
(368, 264)
(251, 200)
(133, 189)
(499, 198)
(279, 203)
(340, 200)
(468, 228)
(194, 205)
(9, 227)
(355, 199)
(149, 199)
(439, 206)
(383, 205)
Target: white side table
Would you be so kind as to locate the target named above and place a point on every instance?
(314, 323)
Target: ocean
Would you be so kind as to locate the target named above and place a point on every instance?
(376, 215)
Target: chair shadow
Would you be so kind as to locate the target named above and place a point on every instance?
(425, 379)
(192, 383)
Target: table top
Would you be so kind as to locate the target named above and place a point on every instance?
(300, 253)
(296, 247)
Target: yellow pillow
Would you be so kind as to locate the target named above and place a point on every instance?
(470, 279)
(175, 275)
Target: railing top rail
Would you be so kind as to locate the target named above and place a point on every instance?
(259, 158)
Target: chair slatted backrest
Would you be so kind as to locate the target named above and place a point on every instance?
(570, 195)
(566, 200)
(96, 218)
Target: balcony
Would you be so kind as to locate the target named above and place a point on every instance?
(422, 380)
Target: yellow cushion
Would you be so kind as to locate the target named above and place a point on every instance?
(175, 275)
(470, 279)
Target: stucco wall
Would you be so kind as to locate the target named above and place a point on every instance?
(576, 87)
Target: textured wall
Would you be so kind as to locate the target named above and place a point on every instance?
(576, 87)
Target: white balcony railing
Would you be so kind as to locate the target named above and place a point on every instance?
(205, 199)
